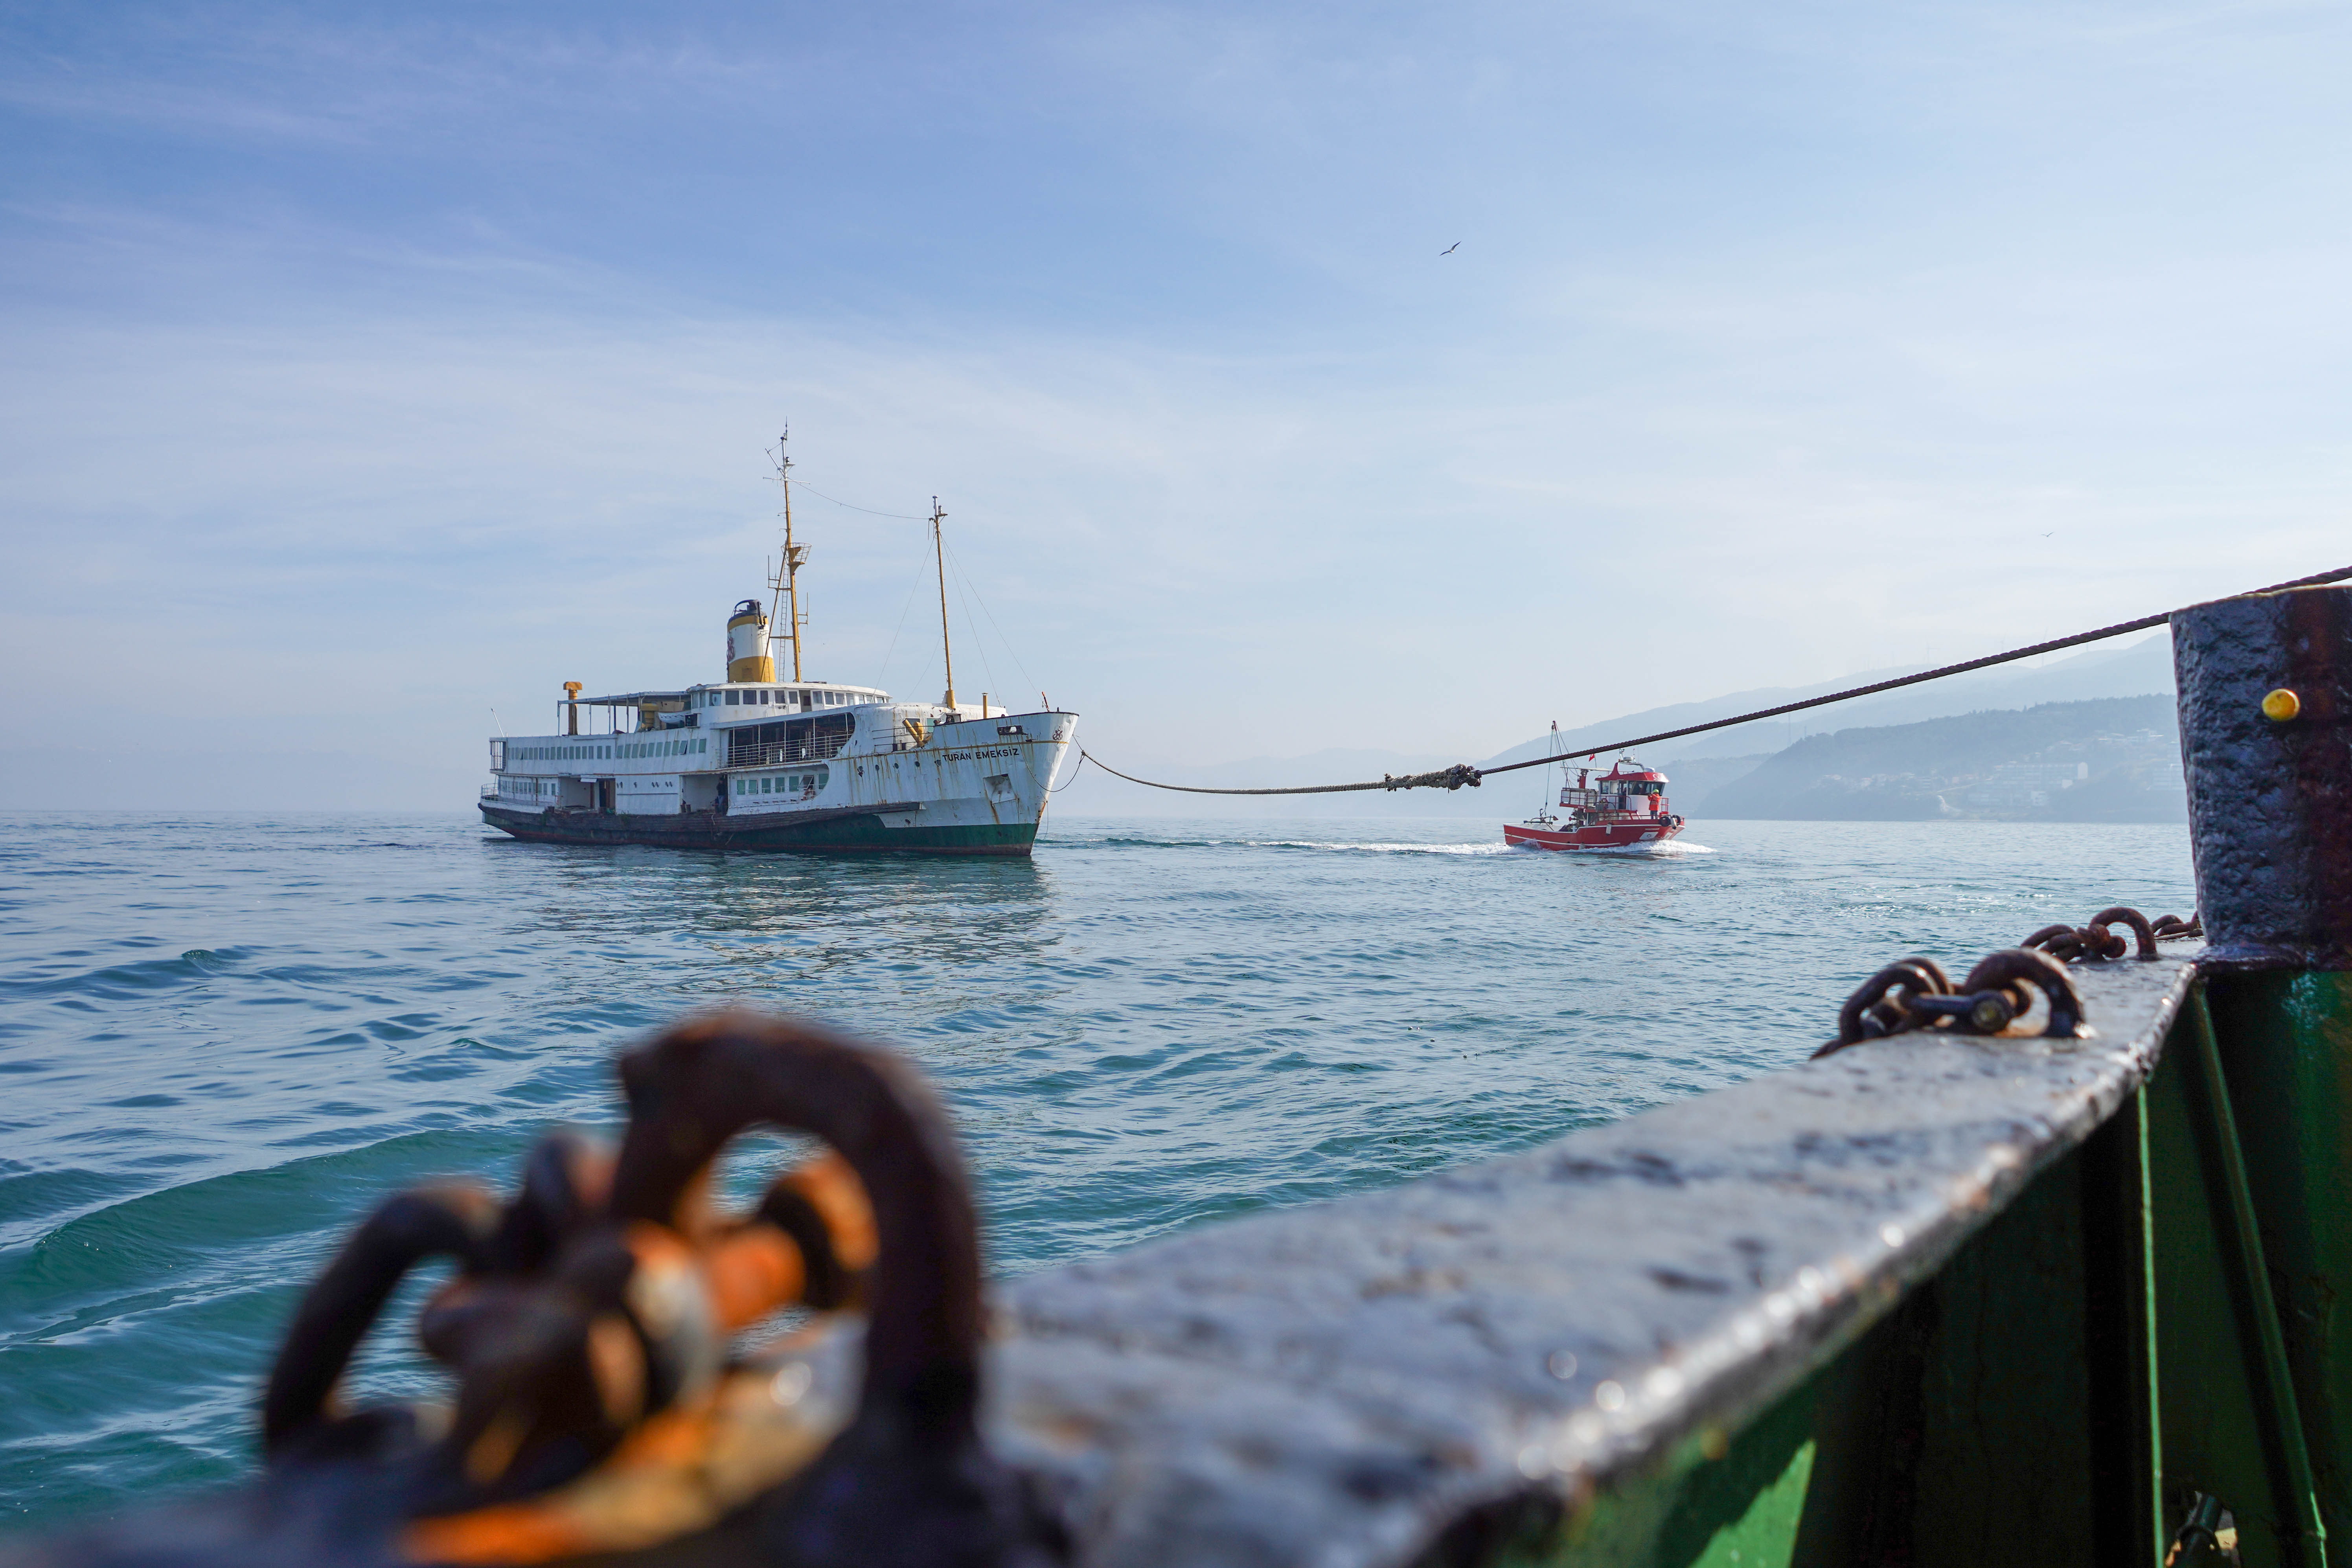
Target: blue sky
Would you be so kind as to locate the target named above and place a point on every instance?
(369, 369)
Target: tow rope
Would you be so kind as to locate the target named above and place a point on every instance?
(1462, 774)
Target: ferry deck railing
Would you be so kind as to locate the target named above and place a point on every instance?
(772, 753)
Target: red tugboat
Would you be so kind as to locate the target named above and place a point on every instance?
(1624, 809)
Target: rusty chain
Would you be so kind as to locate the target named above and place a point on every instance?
(2098, 941)
(1915, 995)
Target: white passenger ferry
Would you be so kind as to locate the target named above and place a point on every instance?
(753, 762)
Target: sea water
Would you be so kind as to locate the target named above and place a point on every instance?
(224, 1037)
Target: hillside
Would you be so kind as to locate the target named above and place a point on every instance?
(2111, 760)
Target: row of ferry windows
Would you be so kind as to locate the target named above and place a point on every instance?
(800, 784)
(762, 696)
(682, 746)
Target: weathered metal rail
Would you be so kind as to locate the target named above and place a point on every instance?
(1741, 1313)
(1935, 1298)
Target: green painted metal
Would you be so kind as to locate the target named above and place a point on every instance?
(2285, 1037)
(1765, 1532)
(843, 833)
(2107, 1351)
(2218, 1414)
(1718, 1500)
(2303, 1536)
(2126, 1384)
(1960, 1429)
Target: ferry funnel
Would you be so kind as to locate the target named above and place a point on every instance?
(747, 644)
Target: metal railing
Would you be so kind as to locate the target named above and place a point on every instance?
(810, 749)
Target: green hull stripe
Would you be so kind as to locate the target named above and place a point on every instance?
(848, 835)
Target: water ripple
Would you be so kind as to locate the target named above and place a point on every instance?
(225, 1038)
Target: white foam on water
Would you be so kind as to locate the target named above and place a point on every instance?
(1660, 851)
(1374, 848)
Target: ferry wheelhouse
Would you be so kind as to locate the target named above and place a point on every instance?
(1623, 809)
(753, 762)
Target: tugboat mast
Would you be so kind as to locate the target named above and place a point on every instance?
(785, 582)
(940, 551)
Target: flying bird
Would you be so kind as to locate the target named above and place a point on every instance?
(1451, 248)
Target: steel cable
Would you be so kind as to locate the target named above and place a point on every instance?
(1462, 774)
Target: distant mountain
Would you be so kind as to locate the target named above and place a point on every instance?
(1693, 783)
(2111, 760)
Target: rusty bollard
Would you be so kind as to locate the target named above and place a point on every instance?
(602, 1408)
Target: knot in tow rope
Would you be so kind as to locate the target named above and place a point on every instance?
(1455, 777)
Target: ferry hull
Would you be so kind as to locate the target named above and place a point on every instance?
(1599, 836)
(854, 830)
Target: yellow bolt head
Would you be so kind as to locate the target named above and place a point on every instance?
(2281, 706)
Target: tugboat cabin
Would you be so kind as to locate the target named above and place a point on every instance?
(1626, 788)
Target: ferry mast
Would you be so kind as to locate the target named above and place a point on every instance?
(785, 581)
(940, 551)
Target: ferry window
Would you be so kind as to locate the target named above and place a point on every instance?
(734, 697)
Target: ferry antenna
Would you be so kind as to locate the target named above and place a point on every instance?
(939, 554)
